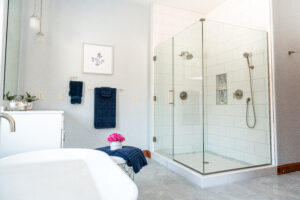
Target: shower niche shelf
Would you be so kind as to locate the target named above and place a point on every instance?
(221, 89)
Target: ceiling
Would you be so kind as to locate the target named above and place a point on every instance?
(201, 6)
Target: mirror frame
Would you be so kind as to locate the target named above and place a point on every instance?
(3, 34)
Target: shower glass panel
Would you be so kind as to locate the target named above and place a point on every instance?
(188, 96)
(237, 128)
(212, 110)
(163, 109)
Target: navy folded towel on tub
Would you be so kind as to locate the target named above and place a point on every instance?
(75, 91)
(105, 108)
(134, 156)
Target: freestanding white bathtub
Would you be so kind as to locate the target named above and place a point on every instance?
(64, 174)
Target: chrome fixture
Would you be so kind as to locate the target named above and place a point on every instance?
(170, 99)
(183, 95)
(11, 121)
(40, 34)
(34, 19)
(248, 56)
(291, 52)
(251, 68)
(238, 94)
(187, 55)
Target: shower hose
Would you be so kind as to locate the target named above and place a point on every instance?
(252, 101)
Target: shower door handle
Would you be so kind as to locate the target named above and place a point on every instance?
(169, 96)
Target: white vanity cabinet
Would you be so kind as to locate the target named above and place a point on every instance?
(35, 130)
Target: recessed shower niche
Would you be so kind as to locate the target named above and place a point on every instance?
(221, 87)
(207, 132)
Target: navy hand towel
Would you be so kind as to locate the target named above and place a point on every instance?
(134, 156)
(105, 108)
(75, 91)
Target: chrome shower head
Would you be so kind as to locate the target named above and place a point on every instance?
(247, 55)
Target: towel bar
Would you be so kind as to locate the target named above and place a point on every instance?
(91, 89)
(291, 52)
(74, 78)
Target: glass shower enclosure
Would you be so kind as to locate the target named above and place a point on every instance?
(211, 98)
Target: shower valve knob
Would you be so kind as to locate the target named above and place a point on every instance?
(238, 94)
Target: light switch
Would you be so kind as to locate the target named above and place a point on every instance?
(41, 96)
(61, 96)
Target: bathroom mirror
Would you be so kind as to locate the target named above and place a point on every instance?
(12, 48)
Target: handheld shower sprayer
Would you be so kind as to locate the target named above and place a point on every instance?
(251, 68)
(248, 56)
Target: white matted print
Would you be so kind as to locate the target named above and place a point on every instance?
(97, 59)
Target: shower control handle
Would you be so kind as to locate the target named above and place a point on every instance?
(238, 94)
(169, 96)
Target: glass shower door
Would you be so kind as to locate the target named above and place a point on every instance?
(188, 97)
(163, 107)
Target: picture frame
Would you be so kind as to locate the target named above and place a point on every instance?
(98, 59)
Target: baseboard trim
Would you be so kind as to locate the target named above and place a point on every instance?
(147, 153)
(284, 169)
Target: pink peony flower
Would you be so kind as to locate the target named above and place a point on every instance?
(115, 137)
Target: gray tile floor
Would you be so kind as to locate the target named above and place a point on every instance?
(156, 182)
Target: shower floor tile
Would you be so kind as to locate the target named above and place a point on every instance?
(214, 163)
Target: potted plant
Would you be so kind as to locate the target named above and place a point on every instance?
(29, 99)
(115, 141)
(13, 103)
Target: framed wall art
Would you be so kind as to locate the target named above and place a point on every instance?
(97, 59)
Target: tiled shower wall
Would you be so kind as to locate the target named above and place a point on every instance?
(188, 113)
(226, 132)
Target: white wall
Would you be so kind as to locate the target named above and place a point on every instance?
(286, 28)
(168, 21)
(246, 13)
(48, 66)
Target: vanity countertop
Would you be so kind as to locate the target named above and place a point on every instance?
(35, 112)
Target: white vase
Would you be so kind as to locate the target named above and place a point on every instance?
(13, 105)
(115, 145)
(29, 105)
